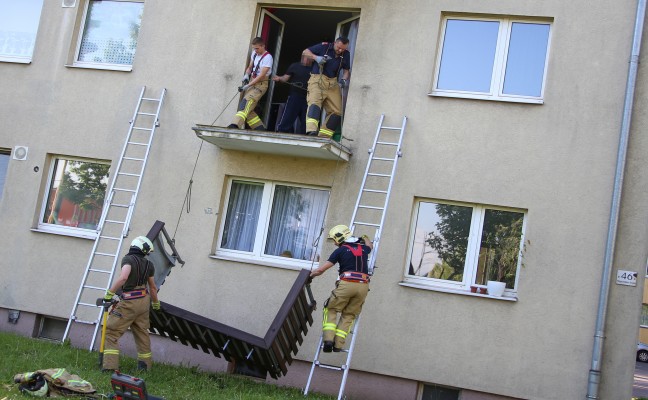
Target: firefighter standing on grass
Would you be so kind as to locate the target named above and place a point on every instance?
(350, 290)
(133, 309)
(323, 87)
(259, 71)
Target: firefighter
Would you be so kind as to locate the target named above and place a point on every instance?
(351, 288)
(323, 87)
(259, 71)
(297, 76)
(133, 309)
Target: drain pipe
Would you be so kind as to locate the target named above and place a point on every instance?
(599, 334)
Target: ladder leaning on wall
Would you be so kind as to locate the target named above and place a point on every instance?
(117, 212)
(369, 213)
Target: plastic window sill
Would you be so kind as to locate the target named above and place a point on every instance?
(455, 291)
(89, 235)
(253, 261)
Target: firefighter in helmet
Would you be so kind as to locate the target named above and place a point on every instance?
(350, 290)
(137, 272)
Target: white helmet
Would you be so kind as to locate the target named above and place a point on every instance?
(143, 243)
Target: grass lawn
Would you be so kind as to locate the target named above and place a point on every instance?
(19, 354)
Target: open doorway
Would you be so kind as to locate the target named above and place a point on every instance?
(287, 32)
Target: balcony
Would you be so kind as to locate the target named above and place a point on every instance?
(283, 144)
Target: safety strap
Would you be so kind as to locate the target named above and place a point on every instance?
(357, 253)
(255, 69)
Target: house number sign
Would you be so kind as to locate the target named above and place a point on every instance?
(628, 278)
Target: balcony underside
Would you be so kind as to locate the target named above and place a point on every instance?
(282, 144)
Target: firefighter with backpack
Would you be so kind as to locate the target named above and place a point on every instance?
(351, 289)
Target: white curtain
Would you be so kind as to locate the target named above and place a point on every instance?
(296, 221)
(242, 216)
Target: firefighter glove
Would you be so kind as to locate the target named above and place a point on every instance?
(344, 83)
(243, 88)
(155, 305)
(365, 238)
(320, 59)
(108, 296)
(246, 79)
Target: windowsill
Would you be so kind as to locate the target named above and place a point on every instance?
(455, 291)
(109, 67)
(92, 235)
(18, 60)
(477, 96)
(266, 263)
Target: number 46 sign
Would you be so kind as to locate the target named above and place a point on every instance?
(628, 278)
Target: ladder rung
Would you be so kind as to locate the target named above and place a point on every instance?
(142, 129)
(391, 128)
(119, 205)
(365, 223)
(128, 174)
(371, 207)
(383, 175)
(382, 159)
(109, 237)
(138, 143)
(143, 113)
(150, 99)
(99, 270)
(388, 143)
(114, 222)
(105, 254)
(93, 287)
(85, 322)
(133, 159)
(374, 191)
(124, 190)
(87, 304)
(328, 366)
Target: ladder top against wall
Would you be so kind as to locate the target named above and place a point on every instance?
(283, 144)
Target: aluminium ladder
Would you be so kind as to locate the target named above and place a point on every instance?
(369, 214)
(114, 224)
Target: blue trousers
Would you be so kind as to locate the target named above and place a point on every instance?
(295, 108)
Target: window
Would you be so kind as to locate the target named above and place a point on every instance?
(4, 164)
(109, 34)
(644, 315)
(272, 222)
(18, 26)
(435, 392)
(456, 246)
(493, 59)
(75, 197)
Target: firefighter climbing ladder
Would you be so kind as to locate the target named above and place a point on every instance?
(114, 223)
(369, 213)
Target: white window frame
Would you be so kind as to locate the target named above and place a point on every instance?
(472, 256)
(60, 229)
(92, 65)
(499, 64)
(25, 59)
(257, 256)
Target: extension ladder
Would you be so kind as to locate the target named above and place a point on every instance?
(114, 224)
(369, 214)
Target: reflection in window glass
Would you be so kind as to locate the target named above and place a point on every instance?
(242, 216)
(4, 164)
(644, 315)
(499, 247)
(110, 32)
(441, 241)
(76, 194)
(18, 25)
(295, 222)
(468, 55)
(525, 64)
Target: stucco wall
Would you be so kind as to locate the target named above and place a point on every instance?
(556, 160)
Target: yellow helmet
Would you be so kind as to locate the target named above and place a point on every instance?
(339, 233)
(143, 243)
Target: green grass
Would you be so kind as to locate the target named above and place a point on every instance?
(20, 354)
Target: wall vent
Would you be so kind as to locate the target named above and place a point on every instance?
(20, 153)
(69, 3)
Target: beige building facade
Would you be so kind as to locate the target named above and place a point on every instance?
(514, 112)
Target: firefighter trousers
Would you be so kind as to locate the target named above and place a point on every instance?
(347, 300)
(132, 314)
(323, 93)
(246, 107)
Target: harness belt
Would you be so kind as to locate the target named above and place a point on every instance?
(351, 276)
(134, 294)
